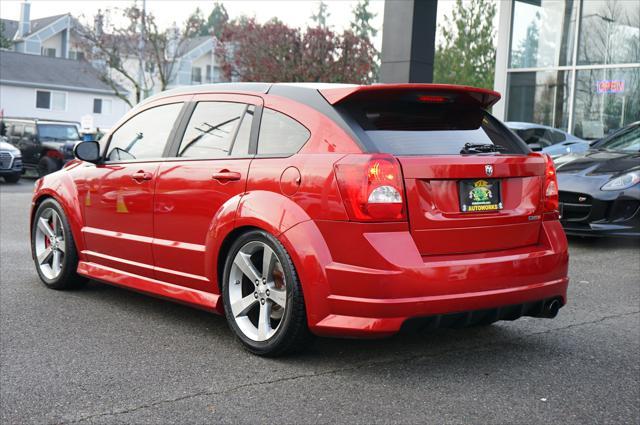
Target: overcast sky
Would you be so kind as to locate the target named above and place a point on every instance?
(293, 13)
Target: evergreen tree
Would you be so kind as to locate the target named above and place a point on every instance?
(467, 55)
(361, 24)
(361, 27)
(196, 24)
(321, 17)
(5, 43)
(217, 20)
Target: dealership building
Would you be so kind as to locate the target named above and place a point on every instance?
(569, 64)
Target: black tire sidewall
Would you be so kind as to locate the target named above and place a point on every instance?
(47, 165)
(12, 178)
(291, 280)
(70, 260)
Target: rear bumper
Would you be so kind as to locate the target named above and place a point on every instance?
(368, 302)
(385, 317)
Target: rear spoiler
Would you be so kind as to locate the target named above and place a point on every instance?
(430, 92)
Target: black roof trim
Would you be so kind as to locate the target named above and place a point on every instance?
(310, 96)
(305, 93)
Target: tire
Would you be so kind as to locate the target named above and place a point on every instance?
(47, 165)
(12, 178)
(287, 329)
(57, 268)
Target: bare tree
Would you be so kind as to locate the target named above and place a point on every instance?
(136, 53)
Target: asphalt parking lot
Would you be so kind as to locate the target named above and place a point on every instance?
(107, 355)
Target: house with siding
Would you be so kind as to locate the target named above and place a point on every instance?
(43, 87)
(54, 36)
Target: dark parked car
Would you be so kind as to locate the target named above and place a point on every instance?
(600, 190)
(45, 144)
(10, 162)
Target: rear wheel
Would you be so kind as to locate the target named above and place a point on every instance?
(47, 165)
(262, 296)
(54, 251)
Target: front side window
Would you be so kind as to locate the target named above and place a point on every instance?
(627, 140)
(145, 135)
(280, 134)
(212, 130)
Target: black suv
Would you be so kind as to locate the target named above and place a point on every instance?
(45, 144)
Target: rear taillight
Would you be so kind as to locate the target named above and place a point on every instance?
(371, 187)
(551, 198)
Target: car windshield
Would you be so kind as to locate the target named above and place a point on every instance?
(623, 141)
(58, 131)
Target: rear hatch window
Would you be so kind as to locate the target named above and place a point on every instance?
(410, 127)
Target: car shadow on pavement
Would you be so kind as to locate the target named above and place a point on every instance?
(347, 352)
(603, 242)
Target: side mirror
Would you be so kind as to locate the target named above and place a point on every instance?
(87, 151)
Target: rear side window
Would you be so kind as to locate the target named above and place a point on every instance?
(17, 130)
(280, 134)
(213, 128)
(241, 144)
(558, 137)
(535, 136)
(145, 135)
(414, 128)
(29, 130)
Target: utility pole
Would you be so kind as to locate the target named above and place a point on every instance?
(141, 45)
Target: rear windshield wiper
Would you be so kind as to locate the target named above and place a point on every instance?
(481, 148)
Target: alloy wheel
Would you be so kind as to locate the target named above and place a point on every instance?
(257, 291)
(50, 243)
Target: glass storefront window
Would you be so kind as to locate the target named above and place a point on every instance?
(542, 33)
(539, 97)
(605, 100)
(609, 32)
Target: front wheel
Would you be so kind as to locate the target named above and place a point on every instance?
(47, 165)
(12, 178)
(262, 296)
(53, 249)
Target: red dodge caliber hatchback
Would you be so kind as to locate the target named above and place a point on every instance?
(301, 209)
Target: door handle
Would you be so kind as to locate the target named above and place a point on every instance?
(141, 176)
(226, 176)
